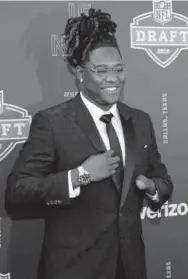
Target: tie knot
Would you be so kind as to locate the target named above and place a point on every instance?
(106, 118)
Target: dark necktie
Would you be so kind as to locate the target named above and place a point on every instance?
(114, 145)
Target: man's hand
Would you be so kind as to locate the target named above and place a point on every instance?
(101, 166)
(144, 183)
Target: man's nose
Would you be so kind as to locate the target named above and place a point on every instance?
(111, 77)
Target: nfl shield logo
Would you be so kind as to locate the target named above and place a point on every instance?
(5, 276)
(14, 129)
(162, 11)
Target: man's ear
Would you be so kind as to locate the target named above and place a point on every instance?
(79, 73)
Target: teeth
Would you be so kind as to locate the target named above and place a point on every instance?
(110, 88)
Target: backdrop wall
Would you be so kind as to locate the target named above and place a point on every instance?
(33, 76)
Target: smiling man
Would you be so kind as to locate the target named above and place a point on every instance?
(98, 87)
(90, 162)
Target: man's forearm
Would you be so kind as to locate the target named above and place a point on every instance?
(157, 171)
(26, 189)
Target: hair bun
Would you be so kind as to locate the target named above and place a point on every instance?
(84, 32)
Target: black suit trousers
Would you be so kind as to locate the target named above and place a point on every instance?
(120, 274)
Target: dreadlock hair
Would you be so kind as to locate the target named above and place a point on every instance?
(84, 33)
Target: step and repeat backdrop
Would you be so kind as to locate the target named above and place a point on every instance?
(153, 38)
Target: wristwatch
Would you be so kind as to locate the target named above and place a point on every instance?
(84, 178)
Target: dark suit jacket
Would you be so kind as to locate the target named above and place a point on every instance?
(82, 234)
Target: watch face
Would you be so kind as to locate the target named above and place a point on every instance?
(84, 178)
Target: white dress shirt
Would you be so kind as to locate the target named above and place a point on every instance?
(96, 114)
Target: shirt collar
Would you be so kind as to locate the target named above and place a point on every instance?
(97, 112)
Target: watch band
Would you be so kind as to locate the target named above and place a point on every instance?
(84, 177)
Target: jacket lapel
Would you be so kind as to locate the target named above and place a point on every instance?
(87, 125)
(129, 135)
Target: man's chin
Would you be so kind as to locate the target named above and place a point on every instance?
(106, 105)
(112, 100)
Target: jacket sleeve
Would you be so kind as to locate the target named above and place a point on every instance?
(33, 180)
(157, 171)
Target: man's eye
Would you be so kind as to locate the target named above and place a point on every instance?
(101, 71)
(119, 69)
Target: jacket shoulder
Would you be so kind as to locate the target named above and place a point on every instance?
(137, 114)
(54, 111)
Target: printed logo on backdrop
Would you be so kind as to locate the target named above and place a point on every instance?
(5, 276)
(14, 126)
(162, 33)
(57, 41)
(167, 210)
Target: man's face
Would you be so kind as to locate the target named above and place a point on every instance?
(103, 89)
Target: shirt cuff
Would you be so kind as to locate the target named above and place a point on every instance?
(154, 197)
(73, 193)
